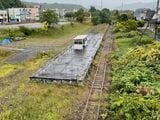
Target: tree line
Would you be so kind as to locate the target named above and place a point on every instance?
(4, 4)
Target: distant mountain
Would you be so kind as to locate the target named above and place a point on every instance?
(55, 5)
(138, 5)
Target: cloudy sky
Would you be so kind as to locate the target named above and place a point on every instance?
(87, 3)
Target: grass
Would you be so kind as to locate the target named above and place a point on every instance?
(57, 34)
(8, 69)
(28, 100)
(22, 99)
(4, 54)
(123, 46)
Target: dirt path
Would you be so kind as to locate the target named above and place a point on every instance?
(93, 101)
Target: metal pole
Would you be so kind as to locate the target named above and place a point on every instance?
(155, 31)
(122, 5)
(157, 9)
(156, 27)
(101, 4)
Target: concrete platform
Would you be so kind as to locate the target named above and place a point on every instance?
(71, 65)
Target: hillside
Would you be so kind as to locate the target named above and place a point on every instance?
(138, 5)
(55, 5)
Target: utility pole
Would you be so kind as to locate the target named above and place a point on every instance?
(101, 4)
(122, 5)
(157, 9)
(157, 19)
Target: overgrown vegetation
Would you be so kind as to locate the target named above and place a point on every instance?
(135, 76)
(135, 84)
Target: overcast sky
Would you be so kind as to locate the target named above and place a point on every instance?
(87, 3)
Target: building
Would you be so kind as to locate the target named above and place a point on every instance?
(3, 16)
(61, 13)
(23, 14)
(34, 12)
(144, 14)
(154, 22)
(17, 14)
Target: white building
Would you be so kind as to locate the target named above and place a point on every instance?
(61, 13)
(15, 14)
(3, 16)
(143, 14)
(23, 14)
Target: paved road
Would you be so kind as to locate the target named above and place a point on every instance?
(28, 25)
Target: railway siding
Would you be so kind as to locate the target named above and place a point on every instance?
(94, 99)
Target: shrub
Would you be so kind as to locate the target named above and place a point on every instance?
(130, 25)
(134, 107)
(12, 33)
(26, 31)
(126, 34)
(141, 23)
(127, 26)
(135, 85)
(118, 27)
(142, 41)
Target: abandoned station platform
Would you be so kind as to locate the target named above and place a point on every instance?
(72, 65)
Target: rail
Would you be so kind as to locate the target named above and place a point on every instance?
(92, 106)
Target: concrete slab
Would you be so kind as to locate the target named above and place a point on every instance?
(71, 65)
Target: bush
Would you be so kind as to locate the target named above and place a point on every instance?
(127, 26)
(118, 27)
(145, 40)
(130, 25)
(132, 34)
(11, 33)
(141, 23)
(126, 34)
(26, 31)
(134, 107)
(135, 85)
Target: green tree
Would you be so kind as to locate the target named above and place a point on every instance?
(100, 17)
(123, 17)
(4, 4)
(81, 15)
(96, 18)
(105, 16)
(92, 9)
(70, 16)
(50, 17)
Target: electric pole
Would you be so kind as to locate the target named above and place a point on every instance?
(157, 19)
(157, 9)
(101, 4)
(122, 5)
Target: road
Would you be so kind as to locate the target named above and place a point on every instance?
(28, 25)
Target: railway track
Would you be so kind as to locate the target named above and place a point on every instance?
(91, 110)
